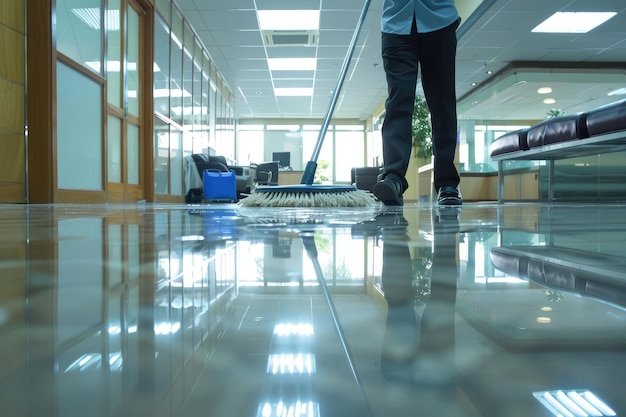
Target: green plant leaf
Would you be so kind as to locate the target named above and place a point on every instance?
(421, 129)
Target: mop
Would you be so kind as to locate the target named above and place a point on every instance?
(306, 194)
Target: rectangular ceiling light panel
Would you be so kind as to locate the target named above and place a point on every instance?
(573, 22)
(292, 64)
(297, 20)
(293, 92)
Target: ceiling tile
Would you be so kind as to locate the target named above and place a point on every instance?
(502, 35)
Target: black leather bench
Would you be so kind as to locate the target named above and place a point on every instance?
(597, 131)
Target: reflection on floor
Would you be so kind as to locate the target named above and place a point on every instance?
(166, 310)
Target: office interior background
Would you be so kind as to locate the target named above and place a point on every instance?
(115, 309)
(102, 99)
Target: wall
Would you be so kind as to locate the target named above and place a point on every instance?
(12, 96)
(13, 234)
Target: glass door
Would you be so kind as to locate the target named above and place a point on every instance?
(124, 97)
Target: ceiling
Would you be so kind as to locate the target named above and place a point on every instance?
(500, 62)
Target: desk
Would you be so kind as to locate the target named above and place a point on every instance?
(289, 177)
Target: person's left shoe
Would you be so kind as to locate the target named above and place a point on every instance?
(449, 196)
(389, 192)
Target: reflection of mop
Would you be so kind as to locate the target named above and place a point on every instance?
(308, 240)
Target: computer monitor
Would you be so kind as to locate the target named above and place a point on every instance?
(283, 158)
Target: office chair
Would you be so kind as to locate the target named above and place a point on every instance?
(267, 173)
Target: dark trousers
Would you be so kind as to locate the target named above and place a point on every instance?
(435, 55)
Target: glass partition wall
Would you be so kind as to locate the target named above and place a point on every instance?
(100, 125)
(120, 92)
(193, 110)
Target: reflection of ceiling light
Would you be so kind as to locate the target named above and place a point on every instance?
(302, 408)
(91, 17)
(166, 328)
(544, 320)
(290, 364)
(293, 329)
(174, 92)
(549, 101)
(292, 64)
(618, 92)
(293, 92)
(546, 308)
(573, 403)
(114, 66)
(191, 238)
(573, 22)
(288, 19)
(544, 90)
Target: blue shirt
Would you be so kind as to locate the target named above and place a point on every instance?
(430, 15)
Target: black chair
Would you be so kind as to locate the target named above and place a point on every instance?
(364, 178)
(218, 162)
(267, 173)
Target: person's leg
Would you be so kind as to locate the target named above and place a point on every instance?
(401, 66)
(437, 63)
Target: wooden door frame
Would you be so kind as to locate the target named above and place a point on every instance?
(42, 58)
(145, 122)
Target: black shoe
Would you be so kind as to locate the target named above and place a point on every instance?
(449, 196)
(389, 192)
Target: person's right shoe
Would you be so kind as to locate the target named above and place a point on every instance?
(449, 196)
(389, 192)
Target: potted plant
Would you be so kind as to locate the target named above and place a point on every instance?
(554, 113)
(421, 130)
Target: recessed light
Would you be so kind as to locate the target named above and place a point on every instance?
(544, 90)
(292, 64)
(549, 101)
(573, 22)
(288, 19)
(489, 72)
(293, 92)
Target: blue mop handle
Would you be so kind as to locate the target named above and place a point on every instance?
(311, 166)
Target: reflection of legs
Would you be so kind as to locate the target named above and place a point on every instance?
(401, 329)
(436, 351)
(439, 314)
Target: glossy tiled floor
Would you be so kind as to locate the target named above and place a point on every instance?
(163, 310)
